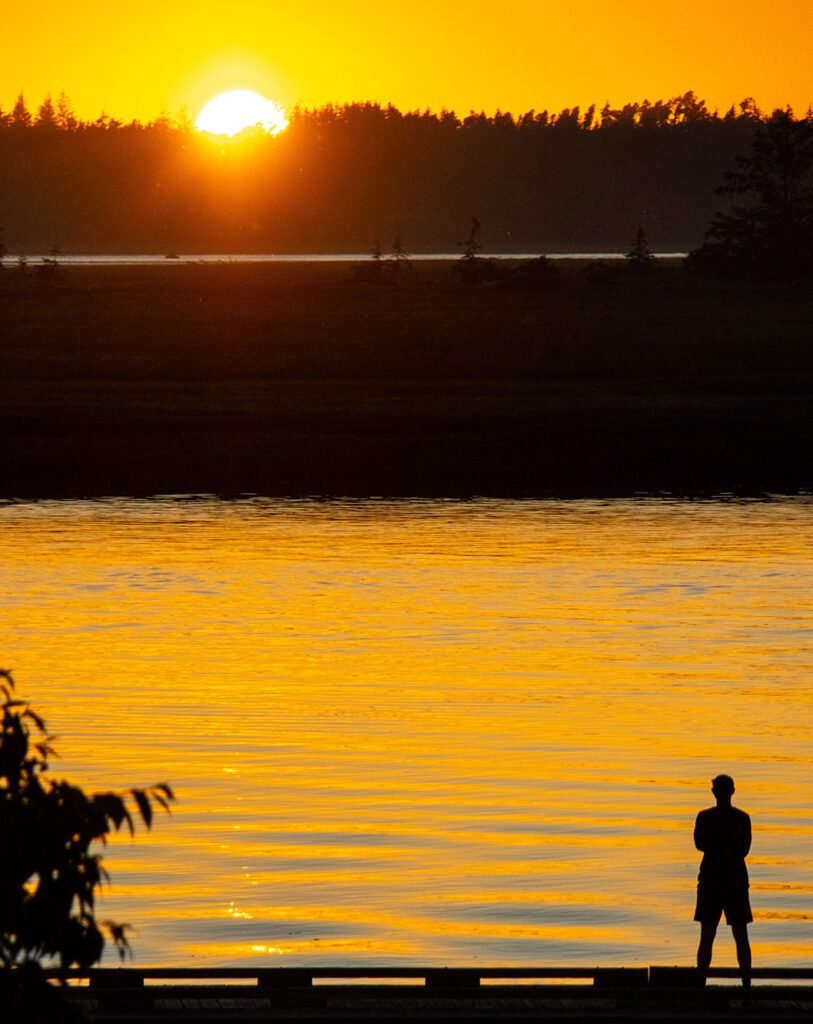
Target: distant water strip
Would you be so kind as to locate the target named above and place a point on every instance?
(185, 259)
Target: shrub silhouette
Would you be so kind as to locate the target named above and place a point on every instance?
(50, 872)
(472, 268)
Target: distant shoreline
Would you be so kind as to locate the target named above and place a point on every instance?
(303, 379)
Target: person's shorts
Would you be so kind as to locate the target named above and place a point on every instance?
(714, 899)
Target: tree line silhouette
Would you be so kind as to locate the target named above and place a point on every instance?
(342, 176)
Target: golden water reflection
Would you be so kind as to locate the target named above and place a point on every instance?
(426, 732)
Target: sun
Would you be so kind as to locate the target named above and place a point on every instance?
(233, 112)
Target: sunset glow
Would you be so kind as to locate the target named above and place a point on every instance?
(405, 508)
(534, 55)
(238, 110)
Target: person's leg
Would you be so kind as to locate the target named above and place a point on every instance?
(708, 929)
(740, 933)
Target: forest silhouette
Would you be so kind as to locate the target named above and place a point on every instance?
(517, 378)
(342, 176)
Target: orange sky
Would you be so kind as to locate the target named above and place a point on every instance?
(135, 61)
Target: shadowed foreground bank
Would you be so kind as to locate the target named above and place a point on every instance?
(296, 380)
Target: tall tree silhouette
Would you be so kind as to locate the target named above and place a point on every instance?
(772, 232)
(20, 114)
(640, 255)
(46, 115)
(65, 117)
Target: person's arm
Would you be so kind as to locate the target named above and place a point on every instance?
(700, 835)
(746, 836)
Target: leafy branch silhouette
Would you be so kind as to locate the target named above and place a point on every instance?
(50, 870)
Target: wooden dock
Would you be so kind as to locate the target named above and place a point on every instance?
(496, 994)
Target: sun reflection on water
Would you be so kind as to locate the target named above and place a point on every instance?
(426, 732)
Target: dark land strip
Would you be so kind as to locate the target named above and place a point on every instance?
(231, 1004)
(236, 1005)
(300, 380)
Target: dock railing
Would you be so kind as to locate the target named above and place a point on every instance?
(455, 979)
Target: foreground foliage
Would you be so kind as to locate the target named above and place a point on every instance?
(50, 867)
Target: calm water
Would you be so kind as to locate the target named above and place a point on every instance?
(160, 259)
(427, 732)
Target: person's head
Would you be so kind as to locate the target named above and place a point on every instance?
(723, 787)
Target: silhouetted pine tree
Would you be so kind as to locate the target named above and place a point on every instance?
(771, 233)
(640, 255)
(20, 114)
(400, 257)
(46, 115)
(65, 117)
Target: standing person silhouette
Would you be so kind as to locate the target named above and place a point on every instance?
(723, 834)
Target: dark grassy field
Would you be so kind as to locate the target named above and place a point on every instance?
(299, 380)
